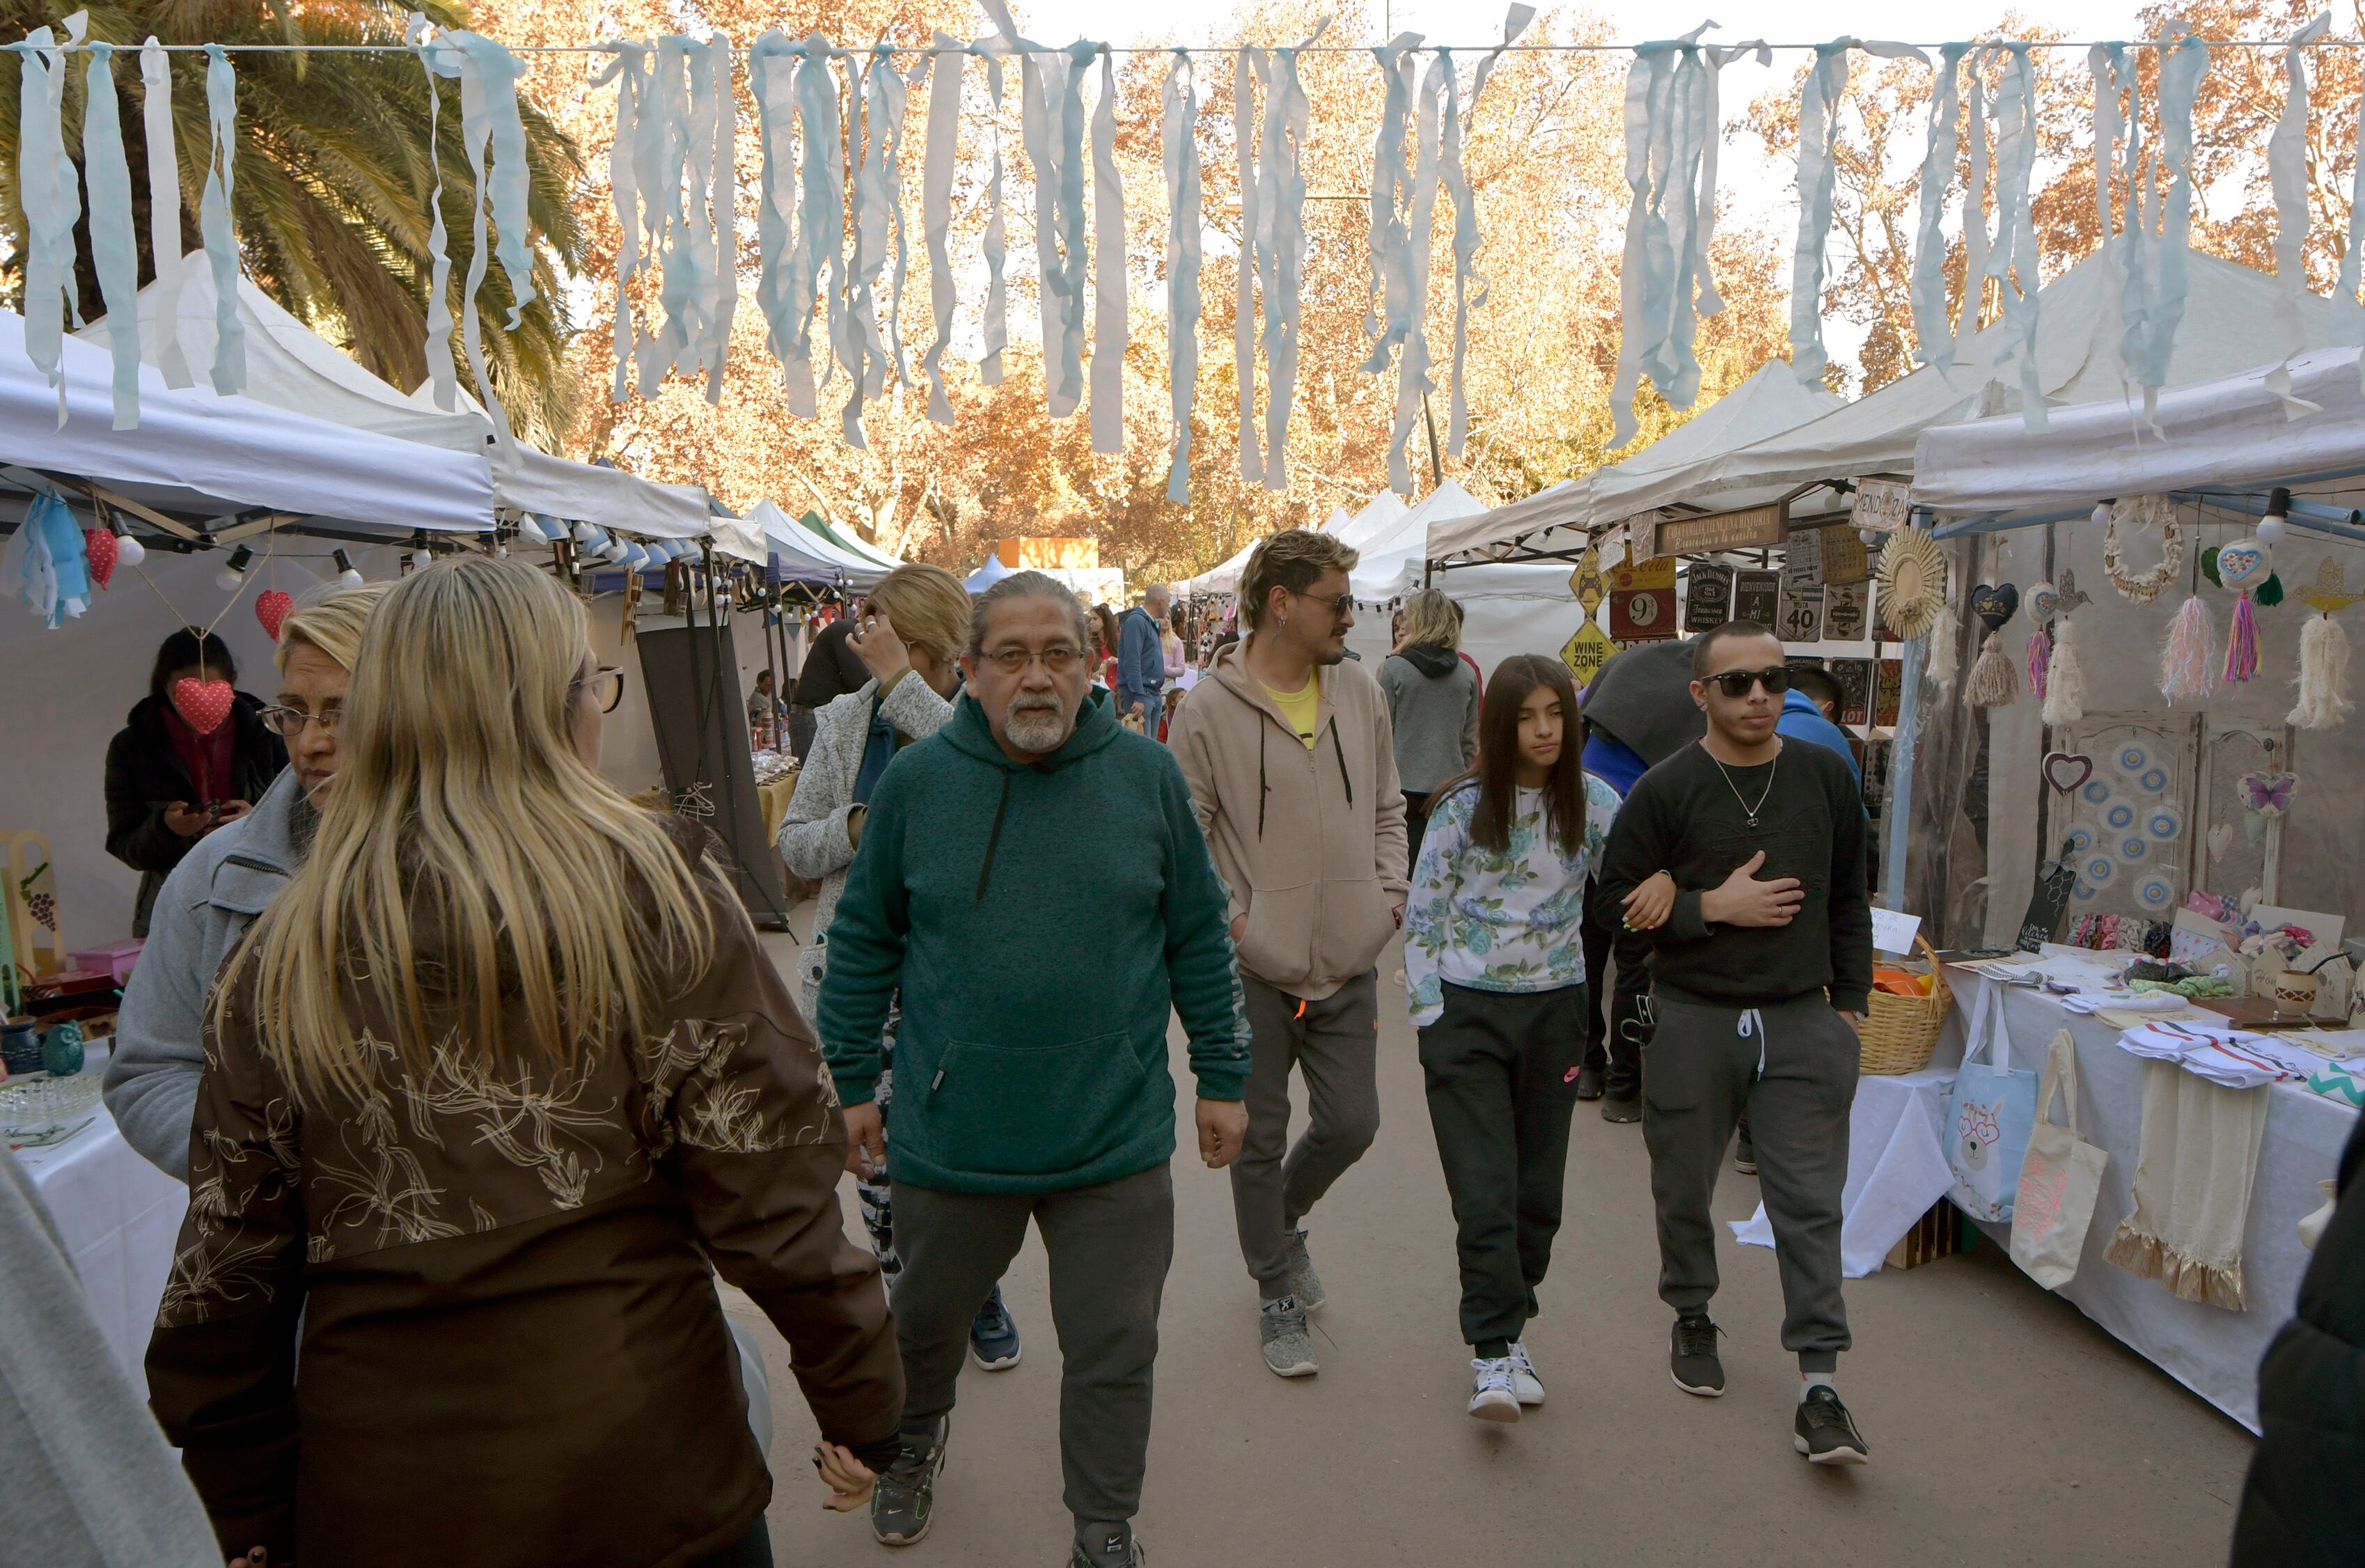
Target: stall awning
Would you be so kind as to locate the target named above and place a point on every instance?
(236, 451)
(2229, 432)
(794, 543)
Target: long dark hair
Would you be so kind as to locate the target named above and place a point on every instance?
(184, 650)
(1495, 771)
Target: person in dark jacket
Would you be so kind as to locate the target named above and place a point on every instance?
(831, 670)
(168, 783)
(1433, 703)
(2302, 1507)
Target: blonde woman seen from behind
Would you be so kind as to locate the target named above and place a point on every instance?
(485, 1090)
(1433, 702)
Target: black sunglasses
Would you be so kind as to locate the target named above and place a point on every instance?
(1737, 682)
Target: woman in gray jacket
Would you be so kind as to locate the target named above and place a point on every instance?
(911, 633)
(1433, 700)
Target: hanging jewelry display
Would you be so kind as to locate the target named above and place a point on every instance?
(2141, 512)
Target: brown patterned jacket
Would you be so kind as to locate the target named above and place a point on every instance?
(512, 1350)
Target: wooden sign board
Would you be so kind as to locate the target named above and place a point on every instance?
(1757, 596)
(1707, 597)
(1881, 505)
(1716, 530)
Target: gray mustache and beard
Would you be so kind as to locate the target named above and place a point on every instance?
(1037, 723)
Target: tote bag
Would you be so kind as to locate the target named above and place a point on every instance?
(2057, 1180)
(1989, 1118)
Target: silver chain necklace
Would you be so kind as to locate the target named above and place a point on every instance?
(1751, 813)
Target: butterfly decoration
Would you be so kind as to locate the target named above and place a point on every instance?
(2265, 796)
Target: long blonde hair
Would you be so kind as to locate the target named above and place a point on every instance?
(464, 834)
(1433, 619)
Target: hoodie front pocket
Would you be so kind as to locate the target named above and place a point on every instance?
(1031, 1110)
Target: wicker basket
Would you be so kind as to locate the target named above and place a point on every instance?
(1900, 1032)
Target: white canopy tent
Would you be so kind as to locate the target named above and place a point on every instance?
(1768, 402)
(1393, 559)
(2228, 431)
(985, 577)
(1226, 579)
(800, 547)
(292, 367)
(198, 453)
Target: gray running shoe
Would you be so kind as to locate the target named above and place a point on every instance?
(1288, 1349)
(1304, 1282)
(903, 1503)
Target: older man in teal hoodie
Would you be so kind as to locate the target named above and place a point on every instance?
(1031, 1064)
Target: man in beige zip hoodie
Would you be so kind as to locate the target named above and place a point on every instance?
(1291, 761)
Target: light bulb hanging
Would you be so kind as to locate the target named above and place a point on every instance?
(348, 574)
(234, 573)
(2272, 527)
(128, 551)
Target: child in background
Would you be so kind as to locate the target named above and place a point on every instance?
(1494, 969)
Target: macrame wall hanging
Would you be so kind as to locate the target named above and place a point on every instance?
(2323, 679)
(2065, 679)
(2140, 511)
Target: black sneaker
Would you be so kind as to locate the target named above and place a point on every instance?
(1589, 1083)
(1744, 1155)
(1129, 1555)
(1825, 1431)
(993, 1335)
(1622, 1108)
(1691, 1359)
(904, 1502)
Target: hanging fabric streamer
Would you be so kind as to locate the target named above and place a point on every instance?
(1412, 364)
(771, 82)
(1245, 66)
(1818, 105)
(660, 153)
(442, 380)
(2013, 263)
(214, 221)
(723, 194)
(821, 222)
(2150, 315)
(1042, 88)
(1974, 219)
(1466, 277)
(1933, 335)
(1178, 136)
(629, 71)
(163, 209)
(1389, 314)
(1109, 292)
(46, 189)
(494, 135)
(2287, 173)
(997, 236)
(113, 242)
(876, 198)
(948, 61)
(2113, 73)
(1280, 243)
(2323, 679)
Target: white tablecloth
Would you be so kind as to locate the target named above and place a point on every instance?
(1896, 1168)
(119, 1216)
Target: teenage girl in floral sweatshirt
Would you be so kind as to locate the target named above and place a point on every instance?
(1495, 966)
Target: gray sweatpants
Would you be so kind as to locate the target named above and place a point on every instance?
(1334, 1042)
(1109, 1247)
(1792, 1066)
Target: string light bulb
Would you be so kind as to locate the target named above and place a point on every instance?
(2102, 514)
(234, 573)
(2271, 527)
(128, 551)
(348, 574)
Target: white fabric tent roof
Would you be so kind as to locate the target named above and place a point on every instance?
(2228, 316)
(2230, 430)
(1394, 557)
(195, 448)
(1769, 401)
(1226, 577)
(1378, 517)
(794, 541)
(985, 577)
(290, 366)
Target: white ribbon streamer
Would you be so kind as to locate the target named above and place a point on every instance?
(1280, 244)
(722, 202)
(863, 350)
(629, 71)
(997, 234)
(1975, 216)
(2150, 319)
(1245, 67)
(2287, 173)
(163, 207)
(2112, 74)
(1109, 295)
(1933, 337)
(442, 379)
(46, 189)
(2349, 313)
(1391, 202)
(1465, 226)
(1819, 107)
(771, 82)
(1412, 364)
(1178, 136)
(821, 222)
(2013, 263)
(947, 63)
(214, 223)
(113, 242)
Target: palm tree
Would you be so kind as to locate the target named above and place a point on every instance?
(334, 179)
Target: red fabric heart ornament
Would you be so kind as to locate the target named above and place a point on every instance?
(204, 703)
(271, 608)
(99, 544)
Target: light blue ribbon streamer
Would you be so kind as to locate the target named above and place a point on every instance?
(2013, 263)
(946, 64)
(1466, 277)
(163, 209)
(46, 189)
(2287, 175)
(875, 204)
(1244, 70)
(442, 381)
(821, 221)
(1109, 292)
(2150, 322)
(629, 71)
(214, 221)
(771, 82)
(1645, 277)
(1934, 335)
(1280, 245)
(488, 77)
(1819, 103)
(114, 243)
(1412, 364)
(1178, 134)
(1388, 316)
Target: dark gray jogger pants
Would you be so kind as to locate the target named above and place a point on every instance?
(1792, 1066)
(1109, 1247)
(1334, 1042)
(1502, 1083)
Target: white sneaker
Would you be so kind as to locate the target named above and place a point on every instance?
(1491, 1396)
(1524, 1381)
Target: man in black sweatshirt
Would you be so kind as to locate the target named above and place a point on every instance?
(1760, 973)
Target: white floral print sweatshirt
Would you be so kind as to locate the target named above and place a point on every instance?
(1511, 922)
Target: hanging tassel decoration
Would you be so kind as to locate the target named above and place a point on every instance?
(113, 242)
(2242, 644)
(1178, 136)
(1945, 638)
(2065, 682)
(2040, 656)
(1993, 682)
(2323, 675)
(2188, 665)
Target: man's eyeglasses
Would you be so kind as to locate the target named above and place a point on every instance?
(290, 722)
(1338, 604)
(1736, 683)
(1057, 659)
(605, 686)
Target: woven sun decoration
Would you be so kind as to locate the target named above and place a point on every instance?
(2323, 679)
(1993, 682)
(1913, 594)
(2065, 684)
(2244, 566)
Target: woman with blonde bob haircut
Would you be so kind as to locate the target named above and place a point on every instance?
(1433, 702)
(914, 628)
(483, 1091)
